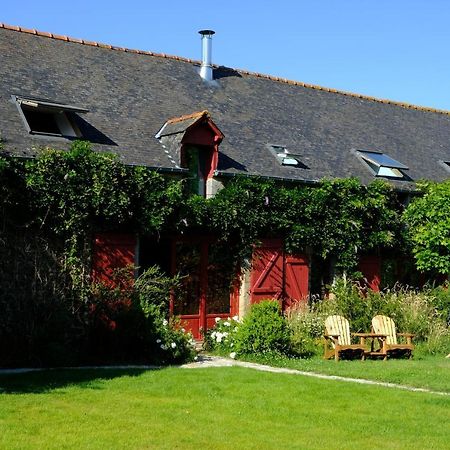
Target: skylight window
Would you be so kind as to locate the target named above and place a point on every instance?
(285, 157)
(445, 165)
(48, 118)
(383, 165)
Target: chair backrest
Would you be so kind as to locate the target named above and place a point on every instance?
(338, 325)
(385, 325)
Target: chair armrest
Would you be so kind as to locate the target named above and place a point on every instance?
(370, 335)
(408, 337)
(331, 337)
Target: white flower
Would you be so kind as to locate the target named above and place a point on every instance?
(163, 346)
(232, 344)
(219, 337)
(227, 324)
(233, 355)
(183, 330)
(236, 318)
(165, 322)
(217, 319)
(224, 334)
(195, 358)
(173, 345)
(158, 341)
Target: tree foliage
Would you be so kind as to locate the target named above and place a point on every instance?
(428, 221)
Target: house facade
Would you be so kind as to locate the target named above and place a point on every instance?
(206, 124)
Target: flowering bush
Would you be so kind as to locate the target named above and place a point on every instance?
(223, 336)
(173, 343)
(130, 320)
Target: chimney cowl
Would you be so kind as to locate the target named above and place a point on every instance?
(206, 69)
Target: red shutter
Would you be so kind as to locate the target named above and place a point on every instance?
(267, 272)
(370, 267)
(112, 251)
(296, 279)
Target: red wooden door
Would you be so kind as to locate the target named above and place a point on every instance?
(205, 291)
(370, 267)
(267, 272)
(276, 275)
(112, 251)
(296, 280)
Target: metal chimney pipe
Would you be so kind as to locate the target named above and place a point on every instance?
(206, 70)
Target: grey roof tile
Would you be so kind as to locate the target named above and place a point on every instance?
(130, 95)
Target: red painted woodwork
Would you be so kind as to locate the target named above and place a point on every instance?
(267, 272)
(277, 275)
(205, 134)
(296, 279)
(197, 305)
(370, 267)
(112, 251)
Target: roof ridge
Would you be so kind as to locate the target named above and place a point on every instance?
(188, 116)
(241, 71)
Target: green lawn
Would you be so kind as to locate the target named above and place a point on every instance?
(213, 408)
(431, 372)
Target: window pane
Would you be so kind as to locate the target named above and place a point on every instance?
(188, 266)
(41, 122)
(220, 276)
(382, 160)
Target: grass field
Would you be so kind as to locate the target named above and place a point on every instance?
(430, 372)
(214, 408)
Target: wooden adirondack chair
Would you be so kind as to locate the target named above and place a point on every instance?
(338, 339)
(389, 345)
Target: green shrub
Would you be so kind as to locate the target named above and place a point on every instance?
(263, 330)
(129, 321)
(441, 301)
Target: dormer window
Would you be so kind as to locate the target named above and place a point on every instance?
(383, 165)
(286, 157)
(49, 118)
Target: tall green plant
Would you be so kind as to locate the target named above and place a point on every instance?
(428, 221)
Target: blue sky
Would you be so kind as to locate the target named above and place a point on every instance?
(396, 49)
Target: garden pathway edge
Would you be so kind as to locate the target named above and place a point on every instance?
(205, 361)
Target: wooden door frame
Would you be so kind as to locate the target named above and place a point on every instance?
(203, 318)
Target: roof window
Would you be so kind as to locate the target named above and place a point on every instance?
(445, 165)
(285, 157)
(49, 118)
(383, 165)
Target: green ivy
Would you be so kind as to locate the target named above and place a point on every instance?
(76, 191)
(72, 193)
(337, 218)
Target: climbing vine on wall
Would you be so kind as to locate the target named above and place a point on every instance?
(71, 193)
(337, 218)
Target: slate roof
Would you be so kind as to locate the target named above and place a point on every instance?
(131, 94)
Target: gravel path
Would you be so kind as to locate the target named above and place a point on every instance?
(215, 361)
(206, 361)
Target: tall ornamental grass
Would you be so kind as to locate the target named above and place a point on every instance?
(424, 313)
